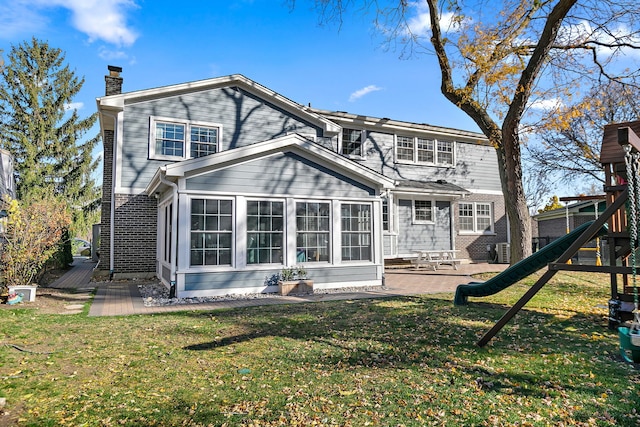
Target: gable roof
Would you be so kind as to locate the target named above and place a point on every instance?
(586, 207)
(289, 143)
(117, 102)
(398, 126)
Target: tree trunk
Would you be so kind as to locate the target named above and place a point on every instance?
(510, 166)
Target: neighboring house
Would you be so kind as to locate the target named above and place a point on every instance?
(218, 184)
(7, 178)
(7, 184)
(556, 223)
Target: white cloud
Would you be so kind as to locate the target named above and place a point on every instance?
(74, 106)
(362, 92)
(420, 24)
(104, 20)
(584, 31)
(546, 104)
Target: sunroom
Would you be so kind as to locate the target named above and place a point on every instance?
(230, 221)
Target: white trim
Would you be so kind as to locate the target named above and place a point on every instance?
(363, 143)
(475, 217)
(118, 102)
(293, 143)
(435, 151)
(486, 192)
(413, 211)
(188, 124)
(213, 267)
(386, 125)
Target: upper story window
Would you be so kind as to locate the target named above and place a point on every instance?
(171, 139)
(352, 142)
(422, 150)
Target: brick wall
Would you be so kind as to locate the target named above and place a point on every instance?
(135, 234)
(107, 185)
(474, 246)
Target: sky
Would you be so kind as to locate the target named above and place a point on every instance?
(158, 43)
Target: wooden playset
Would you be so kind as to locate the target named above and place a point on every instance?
(618, 225)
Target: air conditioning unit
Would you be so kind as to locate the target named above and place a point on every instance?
(504, 253)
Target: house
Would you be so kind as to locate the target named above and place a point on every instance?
(215, 185)
(553, 224)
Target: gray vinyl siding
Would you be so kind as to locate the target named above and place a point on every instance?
(245, 120)
(472, 163)
(285, 173)
(256, 278)
(413, 237)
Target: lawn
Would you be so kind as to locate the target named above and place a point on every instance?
(408, 361)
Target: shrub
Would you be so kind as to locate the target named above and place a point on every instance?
(33, 231)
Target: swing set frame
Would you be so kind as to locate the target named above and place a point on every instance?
(614, 217)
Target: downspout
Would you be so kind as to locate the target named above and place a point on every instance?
(174, 230)
(112, 213)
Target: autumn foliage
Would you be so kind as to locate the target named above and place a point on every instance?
(33, 231)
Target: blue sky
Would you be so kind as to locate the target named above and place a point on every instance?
(158, 43)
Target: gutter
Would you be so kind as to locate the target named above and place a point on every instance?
(113, 198)
(174, 228)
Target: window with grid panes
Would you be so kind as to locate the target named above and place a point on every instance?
(425, 150)
(265, 232)
(475, 217)
(422, 211)
(356, 232)
(445, 153)
(204, 141)
(352, 142)
(312, 232)
(170, 139)
(404, 148)
(211, 232)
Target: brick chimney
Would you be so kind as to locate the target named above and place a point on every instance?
(113, 81)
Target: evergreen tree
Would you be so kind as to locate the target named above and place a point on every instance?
(44, 134)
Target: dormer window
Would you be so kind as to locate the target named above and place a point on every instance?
(352, 142)
(418, 150)
(171, 139)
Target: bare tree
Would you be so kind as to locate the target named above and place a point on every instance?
(498, 60)
(572, 152)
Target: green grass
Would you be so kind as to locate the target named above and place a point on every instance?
(383, 362)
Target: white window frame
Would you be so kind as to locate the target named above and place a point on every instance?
(436, 151)
(188, 124)
(232, 234)
(363, 235)
(414, 217)
(475, 217)
(329, 232)
(363, 138)
(284, 232)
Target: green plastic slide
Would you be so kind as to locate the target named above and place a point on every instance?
(521, 269)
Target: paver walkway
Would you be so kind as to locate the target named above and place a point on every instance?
(120, 298)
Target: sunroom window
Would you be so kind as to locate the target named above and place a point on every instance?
(312, 232)
(211, 232)
(265, 232)
(356, 232)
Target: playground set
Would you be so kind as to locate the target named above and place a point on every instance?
(618, 225)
